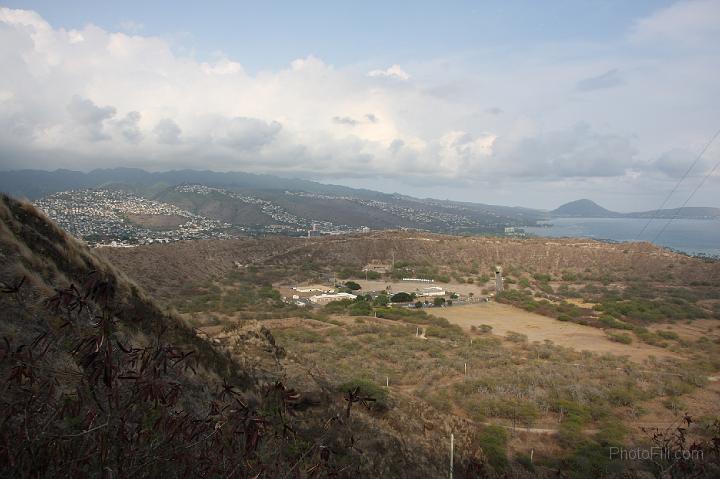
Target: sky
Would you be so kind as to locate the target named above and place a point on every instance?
(517, 103)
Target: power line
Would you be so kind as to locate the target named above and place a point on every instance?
(667, 198)
(687, 200)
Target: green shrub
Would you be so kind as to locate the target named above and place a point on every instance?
(368, 389)
(569, 277)
(668, 335)
(381, 299)
(337, 307)
(493, 440)
(623, 338)
(609, 321)
(542, 278)
(516, 337)
(360, 308)
(401, 297)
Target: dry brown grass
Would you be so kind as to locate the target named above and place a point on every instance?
(504, 318)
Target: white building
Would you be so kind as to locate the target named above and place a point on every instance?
(312, 289)
(432, 291)
(327, 298)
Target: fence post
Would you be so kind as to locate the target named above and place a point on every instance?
(452, 451)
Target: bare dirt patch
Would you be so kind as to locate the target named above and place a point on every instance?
(160, 222)
(504, 318)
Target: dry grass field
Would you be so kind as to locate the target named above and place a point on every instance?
(504, 318)
(591, 343)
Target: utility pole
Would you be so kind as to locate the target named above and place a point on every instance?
(452, 452)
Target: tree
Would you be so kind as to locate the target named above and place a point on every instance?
(419, 304)
(439, 301)
(381, 299)
(401, 297)
(352, 285)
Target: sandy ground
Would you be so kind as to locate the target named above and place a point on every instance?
(504, 318)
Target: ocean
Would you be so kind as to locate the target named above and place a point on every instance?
(689, 236)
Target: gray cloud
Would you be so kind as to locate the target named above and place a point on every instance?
(167, 131)
(90, 117)
(675, 162)
(129, 127)
(344, 120)
(371, 118)
(250, 133)
(575, 152)
(609, 79)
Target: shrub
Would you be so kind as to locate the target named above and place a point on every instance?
(381, 299)
(516, 337)
(609, 321)
(623, 338)
(542, 278)
(369, 389)
(401, 297)
(485, 328)
(337, 307)
(352, 285)
(360, 308)
(493, 440)
(668, 335)
(438, 301)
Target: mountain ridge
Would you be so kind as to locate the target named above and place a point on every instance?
(585, 208)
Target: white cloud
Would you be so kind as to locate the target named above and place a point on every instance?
(89, 97)
(394, 72)
(684, 23)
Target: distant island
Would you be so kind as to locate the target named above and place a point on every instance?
(585, 208)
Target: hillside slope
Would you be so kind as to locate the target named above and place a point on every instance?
(99, 381)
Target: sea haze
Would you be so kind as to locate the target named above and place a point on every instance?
(687, 235)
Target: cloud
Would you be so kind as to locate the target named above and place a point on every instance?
(676, 162)
(394, 72)
(131, 26)
(129, 127)
(90, 117)
(250, 133)
(574, 152)
(683, 24)
(167, 131)
(90, 97)
(344, 120)
(609, 79)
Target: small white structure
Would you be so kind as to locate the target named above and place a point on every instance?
(432, 291)
(419, 280)
(312, 289)
(327, 298)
